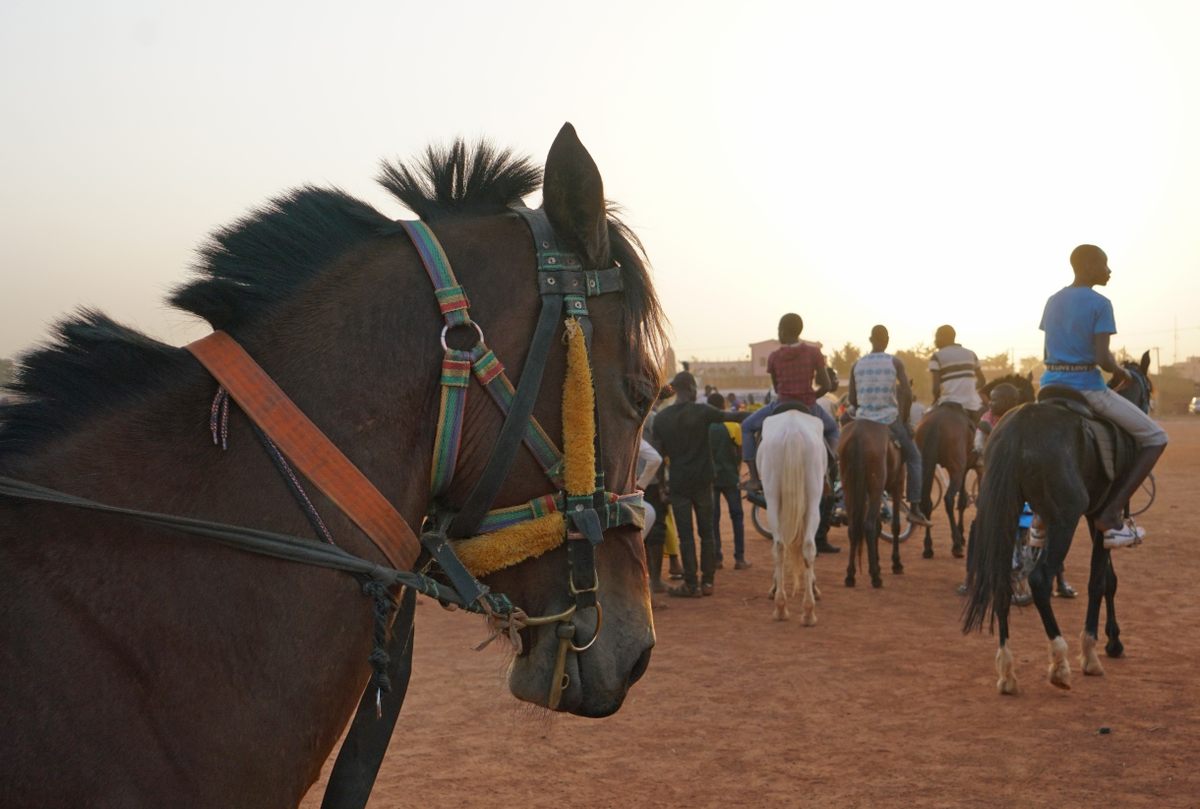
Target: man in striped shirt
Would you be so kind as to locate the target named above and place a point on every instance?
(880, 392)
(956, 374)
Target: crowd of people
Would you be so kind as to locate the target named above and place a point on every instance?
(692, 450)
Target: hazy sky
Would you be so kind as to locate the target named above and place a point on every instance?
(905, 163)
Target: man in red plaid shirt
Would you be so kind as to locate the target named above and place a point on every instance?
(794, 367)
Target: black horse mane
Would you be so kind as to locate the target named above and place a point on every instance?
(93, 363)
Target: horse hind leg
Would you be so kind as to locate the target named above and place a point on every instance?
(872, 532)
(1041, 580)
(1006, 680)
(1089, 662)
(958, 550)
(779, 588)
(1114, 648)
(807, 557)
(897, 565)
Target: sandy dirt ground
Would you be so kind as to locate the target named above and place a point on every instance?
(883, 703)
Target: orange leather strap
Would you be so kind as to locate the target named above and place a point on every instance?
(303, 443)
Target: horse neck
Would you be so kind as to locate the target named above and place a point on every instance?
(360, 359)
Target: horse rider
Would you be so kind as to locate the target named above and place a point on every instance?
(1078, 322)
(793, 367)
(880, 392)
(956, 374)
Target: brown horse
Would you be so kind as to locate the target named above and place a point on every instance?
(139, 667)
(945, 436)
(870, 465)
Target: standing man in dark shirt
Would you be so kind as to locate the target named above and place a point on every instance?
(727, 462)
(681, 436)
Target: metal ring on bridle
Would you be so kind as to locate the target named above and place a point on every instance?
(595, 634)
(471, 323)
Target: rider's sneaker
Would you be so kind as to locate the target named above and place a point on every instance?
(756, 498)
(916, 517)
(1127, 536)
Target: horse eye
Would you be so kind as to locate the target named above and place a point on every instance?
(641, 393)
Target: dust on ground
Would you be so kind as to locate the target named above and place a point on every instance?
(883, 703)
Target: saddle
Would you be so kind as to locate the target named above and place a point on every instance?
(1114, 446)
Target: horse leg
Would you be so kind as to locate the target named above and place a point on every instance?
(808, 552)
(897, 567)
(1041, 581)
(855, 531)
(779, 590)
(956, 526)
(1114, 647)
(1097, 583)
(872, 530)
(1006, 680)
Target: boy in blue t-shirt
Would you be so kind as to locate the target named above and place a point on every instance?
(1078, 322)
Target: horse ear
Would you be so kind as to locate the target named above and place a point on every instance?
(573, 196)
(1144, 365)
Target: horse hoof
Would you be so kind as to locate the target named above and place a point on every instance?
(1089, 663)
(898, 569)
(1059, 669)
(876, 583)
(849, 581)
(957, 551)
(810, 619)
(927, 553)
(781, 615)
(1114, 648)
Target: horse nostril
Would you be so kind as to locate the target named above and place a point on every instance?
(639, 668)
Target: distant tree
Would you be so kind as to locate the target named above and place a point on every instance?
(7, 368)
(1034, 364)
(997, 364)
(916, 365)
(844, 358)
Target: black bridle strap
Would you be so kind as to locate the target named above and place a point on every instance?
(466, 522)
(366, 741)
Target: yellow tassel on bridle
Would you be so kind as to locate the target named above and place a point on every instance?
(488, 553)
(578, 415)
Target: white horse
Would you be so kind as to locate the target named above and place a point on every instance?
(792, 462)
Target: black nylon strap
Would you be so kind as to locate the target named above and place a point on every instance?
(466, 522)
(366, 741)
(580, 282)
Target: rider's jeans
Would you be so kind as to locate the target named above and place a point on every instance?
(1126, 415)
(912, 459)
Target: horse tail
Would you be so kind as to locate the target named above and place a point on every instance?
(930, 438)
(989, 572)
(854, 483)
(781, 465)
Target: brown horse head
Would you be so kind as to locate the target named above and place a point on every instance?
(331, 299)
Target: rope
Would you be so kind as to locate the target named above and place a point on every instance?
(385, 606)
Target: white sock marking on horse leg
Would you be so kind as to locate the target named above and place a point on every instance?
(1089, 661)
(1060, 669)
(1006, 681)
